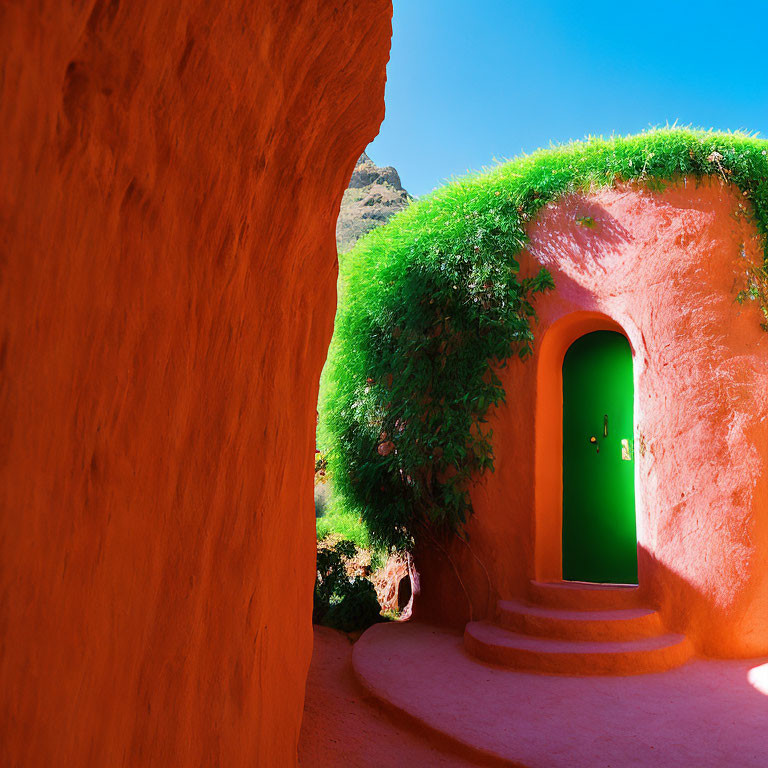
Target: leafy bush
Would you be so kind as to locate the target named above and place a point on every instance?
(432, 302)
(340, 601)
(358, 609)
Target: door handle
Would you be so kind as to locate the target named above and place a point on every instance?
(605, 425)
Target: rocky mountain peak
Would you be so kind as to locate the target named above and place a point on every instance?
(374, 195)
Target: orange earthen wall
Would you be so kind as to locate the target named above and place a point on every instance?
(170, 175)
(666, 269)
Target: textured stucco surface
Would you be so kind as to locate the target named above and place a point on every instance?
(666, 268)
(170, 174)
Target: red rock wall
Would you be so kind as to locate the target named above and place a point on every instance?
(170, 175)
(666, 269)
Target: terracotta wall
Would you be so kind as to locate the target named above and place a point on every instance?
(170, 174)
(666, 268)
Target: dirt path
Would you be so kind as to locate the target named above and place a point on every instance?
(342, 729)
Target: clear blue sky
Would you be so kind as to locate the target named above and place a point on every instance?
(470, 81)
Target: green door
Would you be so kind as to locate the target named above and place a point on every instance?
(599, 535)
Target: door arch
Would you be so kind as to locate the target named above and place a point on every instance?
(556, 337)
(599, 536)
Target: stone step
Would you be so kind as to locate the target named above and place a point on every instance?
(584, 596)
(565, 624)
(496, 645)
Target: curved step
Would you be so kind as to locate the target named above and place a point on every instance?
(581, 595)
(561, 623)
(496, 645)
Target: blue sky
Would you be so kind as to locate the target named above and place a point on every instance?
(469, 82)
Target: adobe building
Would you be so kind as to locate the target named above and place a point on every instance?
(628, 511)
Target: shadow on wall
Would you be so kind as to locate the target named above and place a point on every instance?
(718, 630)
(574, 228)
(445, 565)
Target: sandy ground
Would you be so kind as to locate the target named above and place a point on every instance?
(343, 729)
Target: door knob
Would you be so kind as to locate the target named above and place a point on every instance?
(593, 440)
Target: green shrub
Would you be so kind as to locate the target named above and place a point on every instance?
(358, 609)
(342, 602)
(432, 302)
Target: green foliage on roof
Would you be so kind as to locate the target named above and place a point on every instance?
(432, 302)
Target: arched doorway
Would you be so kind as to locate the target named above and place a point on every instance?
(599, 536)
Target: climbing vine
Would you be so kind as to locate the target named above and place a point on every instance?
(432, 303)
